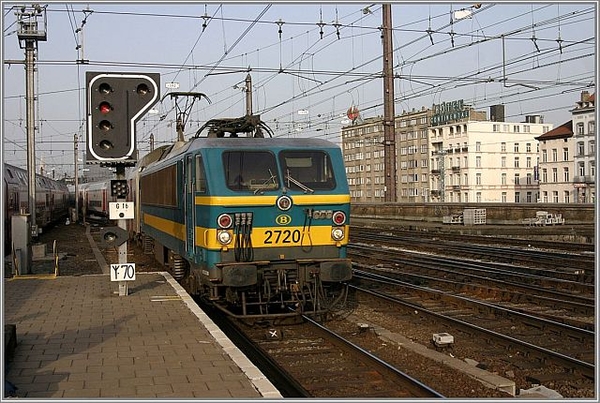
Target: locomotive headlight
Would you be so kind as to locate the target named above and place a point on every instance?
(339, 218)
(284, 203)
(337, 234)
(224, 237)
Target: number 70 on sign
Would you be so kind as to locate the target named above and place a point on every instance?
(122, 272)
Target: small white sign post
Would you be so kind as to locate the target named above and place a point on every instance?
(122, 271)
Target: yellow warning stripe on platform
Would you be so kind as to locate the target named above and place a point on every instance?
(160, 298)
(34, 277)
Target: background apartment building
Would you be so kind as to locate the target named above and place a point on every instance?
(485, 161)
(567, 166)
(556, 164)
(362, 146)
(364, 158)
(449, 153)
(584, 136)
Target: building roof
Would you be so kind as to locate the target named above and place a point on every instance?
(560, 132)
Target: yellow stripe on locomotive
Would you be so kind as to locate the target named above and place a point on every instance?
(262, 237)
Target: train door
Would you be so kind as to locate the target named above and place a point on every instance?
(189, 210)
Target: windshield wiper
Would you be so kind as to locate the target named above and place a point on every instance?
(297, 183)
(263, 185)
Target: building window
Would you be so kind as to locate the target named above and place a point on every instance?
(580, 149)
(554, 175)
(565, 154)
(503, 178)
(529, 179)
(517, 179)
(528, 147)
(517, 197)
(503, 197)
(567, 196)
(592, 127)
(566, 177)
(478, 146)
(544, 156)
(555, 196)
(495, 128)
(544, 175)
(516, 162)
(478, 197)
(478, 162)
(554, 155)
(528, 162)
(516, 128)
(545, 197)
(503, 147)
(516, 147)
(478, 179)
(529, 197)
(503, 162)
(581, 169)
(592, 146)
(580, 129)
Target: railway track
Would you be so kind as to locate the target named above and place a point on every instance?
(472, 345)
(564, 301)
(518, 238)
(309, 360)
(579, 262)
(539, 339)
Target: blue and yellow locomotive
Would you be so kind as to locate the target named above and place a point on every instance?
(258, 226)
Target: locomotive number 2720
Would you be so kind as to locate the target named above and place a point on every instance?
(279, 236)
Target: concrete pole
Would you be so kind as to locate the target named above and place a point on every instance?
(30, 117)
(389, 132)
(75, 145)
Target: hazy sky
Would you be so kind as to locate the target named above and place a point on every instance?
(535, 58)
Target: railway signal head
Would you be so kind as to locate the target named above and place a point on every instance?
(115, 102)
(119, 188)
(113, 237)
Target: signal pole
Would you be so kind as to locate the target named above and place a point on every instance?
(75, 146)
(31, 30)
(389, 134)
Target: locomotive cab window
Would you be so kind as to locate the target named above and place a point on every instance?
(307, 170)
(250, 170)
(200, 175)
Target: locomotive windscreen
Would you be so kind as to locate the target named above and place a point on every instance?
(250, 170)
(311, 169)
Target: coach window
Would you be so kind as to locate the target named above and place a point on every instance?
(307, 169)
(200, 176)
(250, 170)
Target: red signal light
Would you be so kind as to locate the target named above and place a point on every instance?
(104, 108)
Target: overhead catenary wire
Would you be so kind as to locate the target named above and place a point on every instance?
(333, 86)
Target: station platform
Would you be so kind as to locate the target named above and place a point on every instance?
(79, 337)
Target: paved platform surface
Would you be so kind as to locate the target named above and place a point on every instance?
(78, 338)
